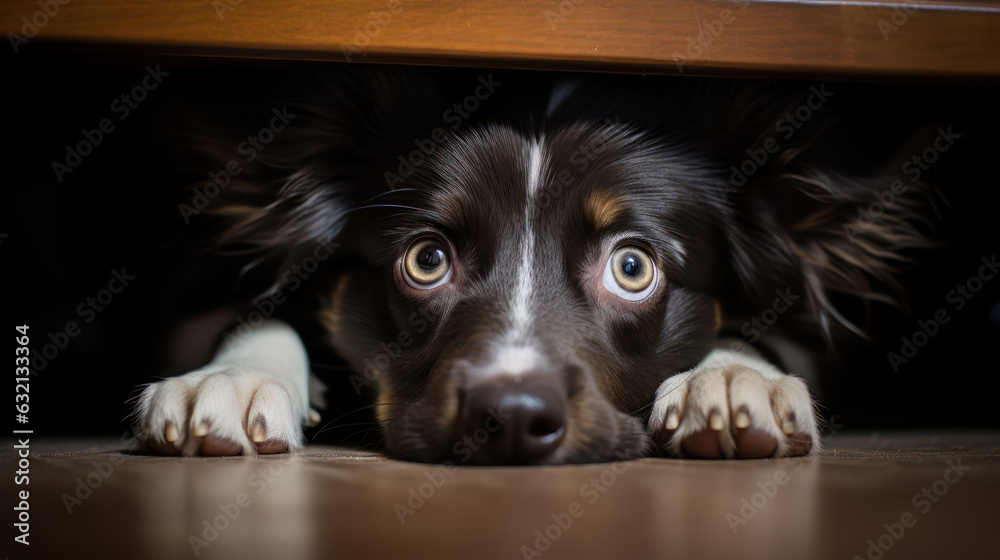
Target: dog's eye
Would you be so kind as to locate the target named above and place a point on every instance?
(630, 273)
(426, 265)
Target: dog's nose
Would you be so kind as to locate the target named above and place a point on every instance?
(514, 420)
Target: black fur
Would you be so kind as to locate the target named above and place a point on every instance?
(664, 150)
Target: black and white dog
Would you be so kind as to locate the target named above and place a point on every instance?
(543, 268)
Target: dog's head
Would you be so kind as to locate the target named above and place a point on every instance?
(523, 281)
(529, 295)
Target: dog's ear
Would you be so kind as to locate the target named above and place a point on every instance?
(317, 150)
(821, 206)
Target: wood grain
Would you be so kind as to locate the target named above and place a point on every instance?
(940, 38)
(336, 504)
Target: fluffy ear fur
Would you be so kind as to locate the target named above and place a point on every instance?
(819, 208)
(298, 191)
(810, 196)
(805, 204)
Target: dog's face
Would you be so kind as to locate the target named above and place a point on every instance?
(516, 292)
(530, 295)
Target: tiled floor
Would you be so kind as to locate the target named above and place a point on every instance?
(864, 492)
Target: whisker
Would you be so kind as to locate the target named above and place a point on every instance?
(405, 189)
(374, 443)
(637, 411)
(330, 425)
(368, 430)
(390, 206)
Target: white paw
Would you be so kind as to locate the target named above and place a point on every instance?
(220, 410)
(733, 406)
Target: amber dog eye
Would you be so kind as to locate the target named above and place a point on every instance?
(630, 273)
(426, 264)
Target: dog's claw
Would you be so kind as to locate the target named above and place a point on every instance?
(240, 405)
(735, 409)
(201, 430)
(716, 422)
(161, 447)
(259, 431)
(788, 424)
(170, 432)
(673, 420)
(742, 420)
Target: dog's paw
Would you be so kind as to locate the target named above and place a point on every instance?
(219, 411)
(734, 411)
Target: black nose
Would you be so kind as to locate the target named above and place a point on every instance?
(513, 420)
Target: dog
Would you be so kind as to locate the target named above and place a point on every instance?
(528, 269)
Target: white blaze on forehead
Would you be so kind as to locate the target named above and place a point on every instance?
(514, 352)
(521, 311)
(509, 360)
(535, 168)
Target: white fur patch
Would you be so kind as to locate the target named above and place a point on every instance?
(535, 169)
(522, 315)
(726, 383)
(680, 253)
(510, 360)
(263, 372)
(513, 353)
